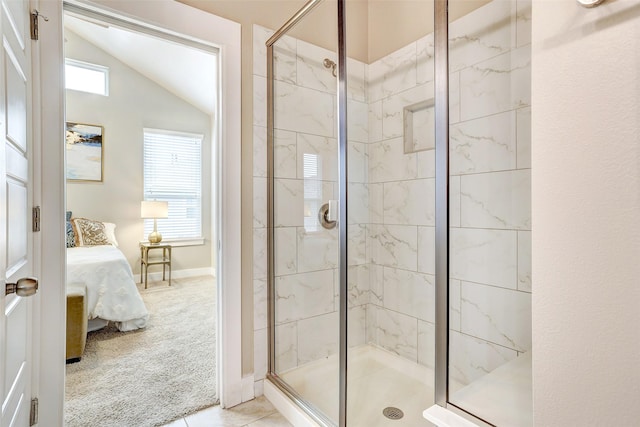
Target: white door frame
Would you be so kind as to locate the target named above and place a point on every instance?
(190, 22)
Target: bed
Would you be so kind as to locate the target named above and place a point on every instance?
(111, 291)
(96, 265)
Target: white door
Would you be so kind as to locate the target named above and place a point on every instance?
(16, 243)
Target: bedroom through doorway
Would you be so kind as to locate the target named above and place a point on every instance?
(141, 114)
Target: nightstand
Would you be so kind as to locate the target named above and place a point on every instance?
(146, 260)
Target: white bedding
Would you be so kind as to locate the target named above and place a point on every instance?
(112, 293)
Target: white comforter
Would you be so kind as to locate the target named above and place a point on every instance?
(111, 289)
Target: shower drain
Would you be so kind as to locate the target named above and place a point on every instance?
(392, 413)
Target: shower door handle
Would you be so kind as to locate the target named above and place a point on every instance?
(327, 213)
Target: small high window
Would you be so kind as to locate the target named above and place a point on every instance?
(86, 77)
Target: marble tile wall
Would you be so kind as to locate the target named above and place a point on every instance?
(391, 198)
(490, 210)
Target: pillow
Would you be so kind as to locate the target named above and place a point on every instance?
(71, 236)
(110, 231)
(89, 232)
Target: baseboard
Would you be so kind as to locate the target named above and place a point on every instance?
(248, 391)
(286, 407)
(181, 274)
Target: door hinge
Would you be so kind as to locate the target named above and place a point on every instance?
(35, 218)
(34, 23)
(33, 414)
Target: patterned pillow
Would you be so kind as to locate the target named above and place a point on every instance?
(89, 232)
(71, 236)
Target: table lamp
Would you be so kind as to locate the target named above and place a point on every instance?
(154, 209)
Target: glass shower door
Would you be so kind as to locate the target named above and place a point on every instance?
(490, 212)
(303, 162)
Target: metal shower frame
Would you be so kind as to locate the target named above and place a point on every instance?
(441, 43)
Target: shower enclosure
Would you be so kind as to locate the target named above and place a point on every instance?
(399, 212)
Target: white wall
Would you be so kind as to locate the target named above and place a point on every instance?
(134, 102)
(586, 211)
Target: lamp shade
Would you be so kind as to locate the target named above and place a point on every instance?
(154, 209)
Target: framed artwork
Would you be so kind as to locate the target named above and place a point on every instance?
(84, 152)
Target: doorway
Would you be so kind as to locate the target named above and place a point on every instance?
(141, 114)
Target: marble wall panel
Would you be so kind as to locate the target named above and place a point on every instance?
(317, 250)
(426, 164)
(425, 62)
(394, 246)
(393, 73)
(285, 247)
(317, 337)
(388, 162)
(393, 108)
(310, 69)
(487, 32)
(322, 150)
(397, 333)
(358, 200)
(409, 202)
(454, 201)
(304, 110)
(357, 121)
(523, 120)
(357, 247)
(484, 256)
(483, 145)
(285, 154)
(357, 162)
(357, 326)
(426, 344)
(259, 253)
(471, 358)
(427, 250)
(358, 285)
(454, 304)
(523, 22)
(410, 293)
(524, 261)
(299, 296)
(375, 121)
(356, 80)
(496, 200)
(498, 315)
(284, 60)
(286, 347)
(376, 203)
(288, 202)
(499, 84)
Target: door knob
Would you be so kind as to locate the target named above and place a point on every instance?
(24, 287)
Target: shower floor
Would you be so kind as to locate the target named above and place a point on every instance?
(376, 379)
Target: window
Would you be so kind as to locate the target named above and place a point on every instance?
(312, 191)
(173, 173)
(86, 77)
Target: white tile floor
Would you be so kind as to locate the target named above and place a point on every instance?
(255, 413)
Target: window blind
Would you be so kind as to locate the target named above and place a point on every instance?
(173, 173)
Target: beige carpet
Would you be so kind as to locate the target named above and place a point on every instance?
(153, 375)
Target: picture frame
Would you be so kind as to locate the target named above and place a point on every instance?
(84, 144)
